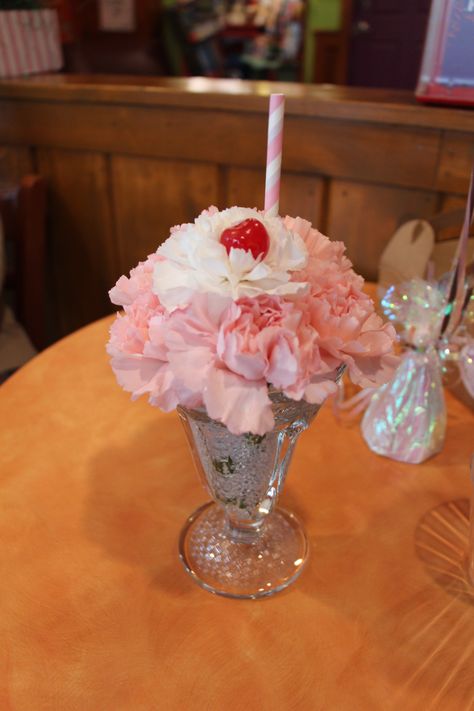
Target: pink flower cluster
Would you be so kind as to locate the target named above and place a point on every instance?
(223, 354)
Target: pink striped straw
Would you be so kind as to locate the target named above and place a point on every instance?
(274, 148)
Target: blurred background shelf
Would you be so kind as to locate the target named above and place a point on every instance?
(357, 42)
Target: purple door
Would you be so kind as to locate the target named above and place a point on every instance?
(386, 42)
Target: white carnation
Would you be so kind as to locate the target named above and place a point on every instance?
(196, 261)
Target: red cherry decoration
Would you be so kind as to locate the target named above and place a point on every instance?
(249, 235)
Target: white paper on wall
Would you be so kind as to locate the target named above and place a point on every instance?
(117, 15)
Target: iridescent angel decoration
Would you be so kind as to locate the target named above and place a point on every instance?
(406, 418)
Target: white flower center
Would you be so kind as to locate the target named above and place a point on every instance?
(196, 261)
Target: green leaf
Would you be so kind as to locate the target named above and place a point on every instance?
(254, 439)
(224, 466)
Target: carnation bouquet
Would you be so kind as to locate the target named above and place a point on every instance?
(239, 302)
(244, 321)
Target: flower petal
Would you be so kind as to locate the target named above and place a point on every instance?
(241, 405)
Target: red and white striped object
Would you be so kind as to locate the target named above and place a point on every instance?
(274, 149)
(29, 42)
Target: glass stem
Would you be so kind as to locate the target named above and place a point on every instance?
(241, 531)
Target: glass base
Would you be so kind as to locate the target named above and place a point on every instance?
(242, 570)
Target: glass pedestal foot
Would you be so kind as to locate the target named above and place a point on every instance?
(225, 566)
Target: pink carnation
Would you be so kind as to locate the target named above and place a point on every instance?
(349, 331)
(222, 354)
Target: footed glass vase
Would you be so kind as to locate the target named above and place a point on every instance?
(241, 544)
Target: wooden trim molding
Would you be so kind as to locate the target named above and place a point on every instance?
(316, 101)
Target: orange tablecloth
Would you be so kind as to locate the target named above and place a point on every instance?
(96, 613)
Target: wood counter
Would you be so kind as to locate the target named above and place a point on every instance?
(128, 157)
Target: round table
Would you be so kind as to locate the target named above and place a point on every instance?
(97, 612)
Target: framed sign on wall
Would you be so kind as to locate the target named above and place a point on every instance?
(447, 68)
(117, 15)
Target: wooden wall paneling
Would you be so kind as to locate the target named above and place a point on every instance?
(394, 155)
(344, 149)
(245, 187)
(447, 233)
(450, 203)
(155, 132)
(455, 163)
(15, 162)
(365, 217)
(128, 159)
(82, 243)
(150, 196)
(301, 195)
(349, 103)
